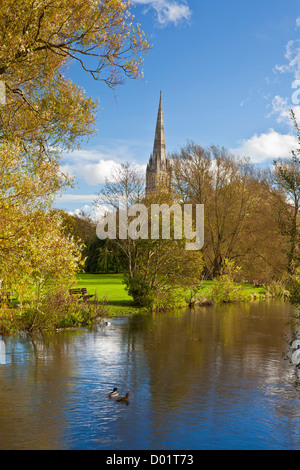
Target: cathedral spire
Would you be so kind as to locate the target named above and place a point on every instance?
(159, 148)
(158, 168)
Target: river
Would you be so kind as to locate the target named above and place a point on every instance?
(208, 378)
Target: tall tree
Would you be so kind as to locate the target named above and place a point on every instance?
(33, 247)
(237, 207)
(156, 267)
(45, 113)
(39, 39)
(285, 179)
(192, 175)
(123, 188)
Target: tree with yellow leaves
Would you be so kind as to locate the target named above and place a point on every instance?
(45, 113)
(39, 39)
(34, 250)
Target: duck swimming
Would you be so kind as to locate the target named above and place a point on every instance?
(124, 399)
(114, 393)
(104, 323)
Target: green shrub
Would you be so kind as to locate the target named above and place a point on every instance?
(168, 298)
(56, 310)
(277, 289)
(225, 287)
(157, 297)
(8, 323)
(140, 290)
(293, 286)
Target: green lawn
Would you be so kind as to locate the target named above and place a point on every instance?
(119, 302)
(253, 292)
(256, 291)
(109, 286)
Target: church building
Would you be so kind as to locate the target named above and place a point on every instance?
(159, 166)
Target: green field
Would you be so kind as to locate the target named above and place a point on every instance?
(254, 293)
(118, 300)
(109, 286)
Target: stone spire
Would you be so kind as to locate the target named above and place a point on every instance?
(159, 147)
(158, 168)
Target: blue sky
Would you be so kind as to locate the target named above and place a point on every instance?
(226, 71)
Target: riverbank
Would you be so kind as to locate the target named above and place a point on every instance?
(109, 298)
(112, 288)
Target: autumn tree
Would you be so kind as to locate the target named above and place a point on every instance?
(123, 188)
(39, 39)
(165, 269)
(216, 179)
(285, 181)
(80, 227)
(239, 224)
(46, 113)
(33, 247)
(192, 173)
(158, 269)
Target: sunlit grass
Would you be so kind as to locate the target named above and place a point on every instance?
(111, 287)
(118, 301)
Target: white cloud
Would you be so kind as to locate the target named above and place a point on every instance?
(168, 11)
(97, 173)
(96, 166)
(269, 145)
(100, 172)
(292, 55)
(95, 212)
(281, 108)
(84, 203)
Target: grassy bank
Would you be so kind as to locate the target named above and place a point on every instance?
(111, 287)
(250, 292)
(59, 310)
(119, 302)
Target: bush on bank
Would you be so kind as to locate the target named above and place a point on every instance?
(55, 311)
(60, 310)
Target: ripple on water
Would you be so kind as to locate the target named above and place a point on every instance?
(204, 379)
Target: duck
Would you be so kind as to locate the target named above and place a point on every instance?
(105, 323)
(114, 393)
(124, 399)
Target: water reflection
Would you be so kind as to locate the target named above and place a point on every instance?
(211, 378)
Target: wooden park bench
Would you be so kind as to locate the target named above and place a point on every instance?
(81, 292)
(7, 297)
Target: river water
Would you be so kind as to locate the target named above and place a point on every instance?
(209, 378)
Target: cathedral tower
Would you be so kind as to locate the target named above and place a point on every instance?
(159, 167)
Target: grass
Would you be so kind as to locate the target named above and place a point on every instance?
(111, 287)
(248, 289)
(118, 300)
(254, 291)
(63, 314)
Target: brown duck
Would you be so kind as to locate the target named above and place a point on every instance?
(123, 399)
